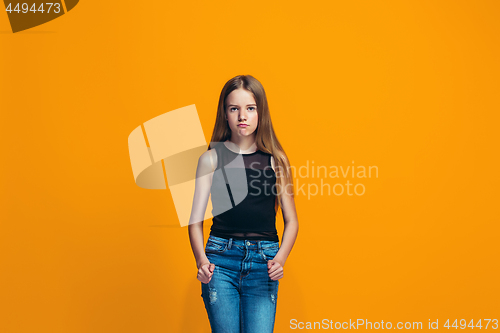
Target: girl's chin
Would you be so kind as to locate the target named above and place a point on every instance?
(244, 131)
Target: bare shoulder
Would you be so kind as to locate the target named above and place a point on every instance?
(207, 161)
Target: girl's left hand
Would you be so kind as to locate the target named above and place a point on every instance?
(274, 269)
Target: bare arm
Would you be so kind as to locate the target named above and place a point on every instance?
(204, 174)
(291, 226)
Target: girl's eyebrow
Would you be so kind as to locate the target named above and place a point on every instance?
(247, 105)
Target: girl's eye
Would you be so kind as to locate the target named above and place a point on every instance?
(252, 108)
(231, 109)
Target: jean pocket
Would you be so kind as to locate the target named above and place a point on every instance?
(215, 246)
(268, 253)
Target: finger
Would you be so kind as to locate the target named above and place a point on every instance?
(205, 270)
(203, 277)
(212, 267)
(276, 273)
(274, 267)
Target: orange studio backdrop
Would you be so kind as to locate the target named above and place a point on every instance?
(387, 110)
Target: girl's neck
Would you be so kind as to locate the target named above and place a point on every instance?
(245, 144)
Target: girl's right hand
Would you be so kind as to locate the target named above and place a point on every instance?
(205, 272)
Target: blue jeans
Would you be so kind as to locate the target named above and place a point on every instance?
(240, 297)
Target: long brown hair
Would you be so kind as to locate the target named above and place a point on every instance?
(265, 138)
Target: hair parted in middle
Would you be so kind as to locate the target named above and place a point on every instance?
(265, 138)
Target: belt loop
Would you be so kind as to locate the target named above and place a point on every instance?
(258, 246)
(230, 243)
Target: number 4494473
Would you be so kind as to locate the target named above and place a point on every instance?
(25, 8)
(462, 324)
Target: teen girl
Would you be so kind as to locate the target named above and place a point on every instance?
(246, 172)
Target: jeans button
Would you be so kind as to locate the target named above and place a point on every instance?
(248, 243)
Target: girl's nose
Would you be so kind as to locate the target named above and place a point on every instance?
(242, 115)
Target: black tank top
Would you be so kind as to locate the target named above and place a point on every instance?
(243, 195)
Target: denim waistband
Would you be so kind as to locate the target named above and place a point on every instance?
(249, 244)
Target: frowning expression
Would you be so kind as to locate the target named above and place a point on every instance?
(241, 112)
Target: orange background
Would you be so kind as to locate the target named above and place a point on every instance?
(412, 88)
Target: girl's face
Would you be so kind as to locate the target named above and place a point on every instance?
(241, 109)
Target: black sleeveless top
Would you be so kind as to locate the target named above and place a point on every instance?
(243, 195)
